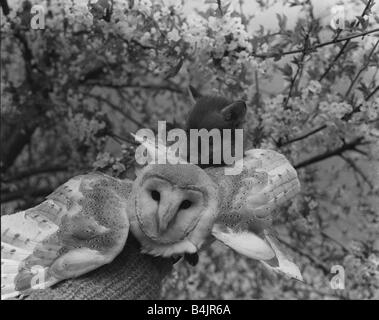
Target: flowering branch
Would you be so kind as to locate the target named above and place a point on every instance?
(339, 54)
(299, 64)
(314, 48)
(348, 91)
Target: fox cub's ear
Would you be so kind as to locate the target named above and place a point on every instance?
(235, 111)
(194, 94)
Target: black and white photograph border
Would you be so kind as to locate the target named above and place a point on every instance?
(189, 150)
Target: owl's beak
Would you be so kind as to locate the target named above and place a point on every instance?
(168, 208)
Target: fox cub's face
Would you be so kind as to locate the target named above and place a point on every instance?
(215, 112)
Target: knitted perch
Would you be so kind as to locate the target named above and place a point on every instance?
(170, 209)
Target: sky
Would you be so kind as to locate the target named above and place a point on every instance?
(322, 9)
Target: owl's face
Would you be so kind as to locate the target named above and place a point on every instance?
(173, 208)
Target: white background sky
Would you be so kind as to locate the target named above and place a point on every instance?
(268, 18)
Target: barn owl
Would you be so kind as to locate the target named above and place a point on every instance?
(171, 209)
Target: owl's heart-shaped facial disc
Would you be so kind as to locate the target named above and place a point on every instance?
(175, 209)
(171, 205)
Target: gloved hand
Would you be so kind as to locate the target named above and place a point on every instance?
(131, 276)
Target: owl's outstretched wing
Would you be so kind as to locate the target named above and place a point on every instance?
(267, 181)
(81, 226)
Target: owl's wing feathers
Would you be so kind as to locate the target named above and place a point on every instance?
(282, 262)
(79, 227)
(244, 242)
(277, 184)
(267, 181)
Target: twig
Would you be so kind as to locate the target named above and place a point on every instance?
(165, 87)
(219, 6)
(368, 97)
(343, 246)
(298, 72)
(358, 170)
(257, 96)
(120, 139)
(117, 108)
(317, 263)
(328, 154)
(361, 152)
(312, 16)
(353, 36)
(361, 70)
(348, 116)
(339, 54)
(304, 136)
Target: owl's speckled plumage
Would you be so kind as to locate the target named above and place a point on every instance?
(248, 204)
(266, 181)
(81, 226)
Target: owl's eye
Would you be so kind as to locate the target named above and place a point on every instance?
(155, 195)
(185, 205)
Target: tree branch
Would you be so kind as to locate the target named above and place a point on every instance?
(219, 7)
(304, 136)
(118, 109)
(310, 257)
(314, 48)
(13, 145)
(348, 91)
(13, 141)
(328, 154)
(164, 87)
(348, 116)
(298, 72)
(5, 7)
(340, 244)
(368, 97)
(358, 170)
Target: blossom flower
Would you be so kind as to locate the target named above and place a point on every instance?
(173, 35)
(314, 86)
(144, 6)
